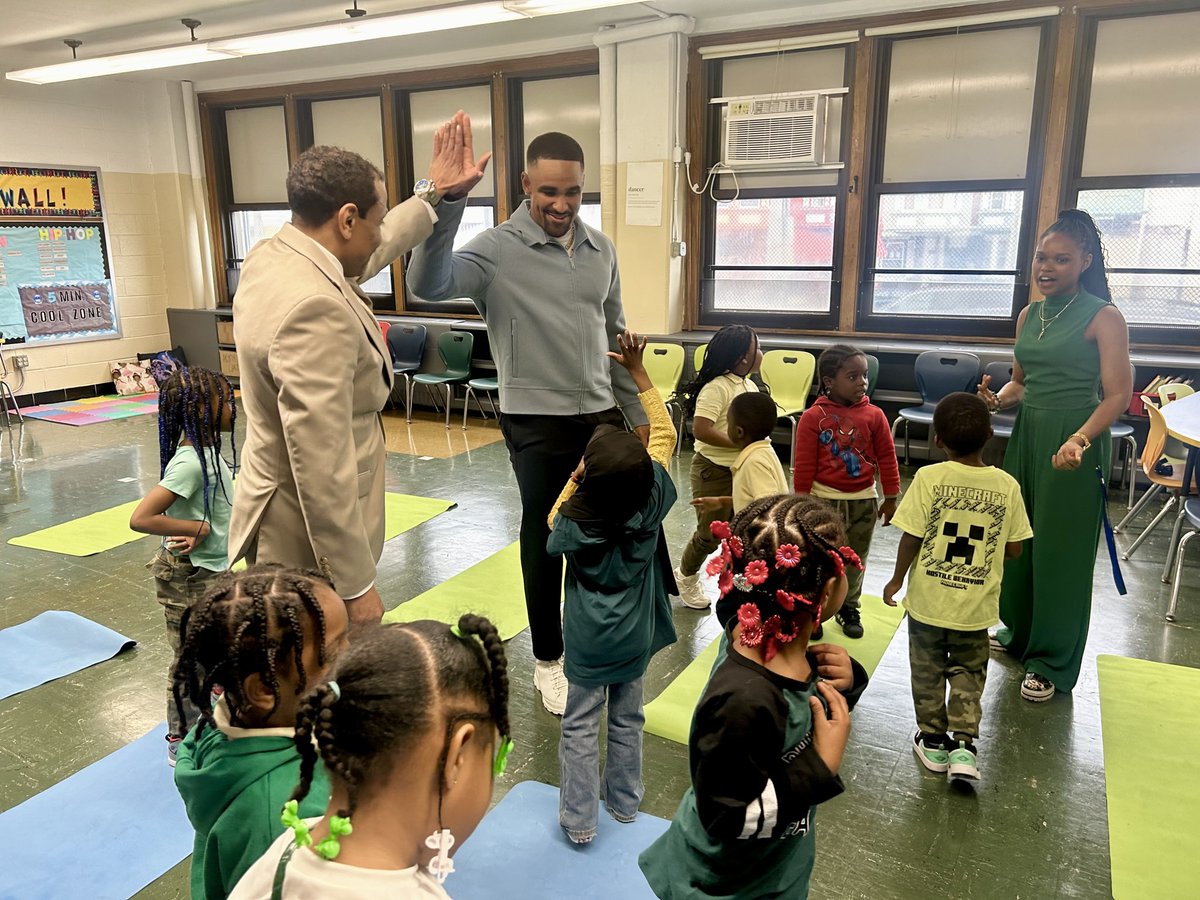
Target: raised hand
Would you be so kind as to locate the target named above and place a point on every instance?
(986, 394)
(454, 169)
(632, 353)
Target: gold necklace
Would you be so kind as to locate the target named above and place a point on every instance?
(1046, 323)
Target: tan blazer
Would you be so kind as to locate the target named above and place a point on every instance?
(315, 373)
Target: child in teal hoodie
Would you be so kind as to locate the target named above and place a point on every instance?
(608, 524)
(263, 635)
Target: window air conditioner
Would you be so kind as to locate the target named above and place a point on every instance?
(776, 131)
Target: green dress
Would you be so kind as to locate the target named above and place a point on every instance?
(1046, 599)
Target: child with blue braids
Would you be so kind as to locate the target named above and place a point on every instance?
(190, 505)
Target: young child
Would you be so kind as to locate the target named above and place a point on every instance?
(608, 524)
(757, 471)
(413, 730)
(961, 519)
(265, 635)
(189, 506)
(731, 357)
(843, 442)
(768, 735)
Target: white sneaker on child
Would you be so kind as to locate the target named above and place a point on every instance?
(691, 591)
(551, 683)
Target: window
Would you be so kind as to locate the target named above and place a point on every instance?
(1136, 170)
(772, 247)
(354, 124)
(572, 106)
(950, 221)
(426, 111)
(254, 186)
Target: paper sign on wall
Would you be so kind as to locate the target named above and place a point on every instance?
(27, 192)
(644, 194)
(70, 308)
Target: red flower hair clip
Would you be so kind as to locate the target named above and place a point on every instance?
(787, 556)
(756, 572)
(720, 530)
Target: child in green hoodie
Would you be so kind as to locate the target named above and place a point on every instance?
(608, 524)
(265, 635)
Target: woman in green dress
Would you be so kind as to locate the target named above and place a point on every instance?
(1072, 379)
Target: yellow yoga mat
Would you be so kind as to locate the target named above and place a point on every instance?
(109, 528)
(669, 715)
(491, 588)
(1150, 721)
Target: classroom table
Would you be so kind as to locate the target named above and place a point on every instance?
(1183, 422)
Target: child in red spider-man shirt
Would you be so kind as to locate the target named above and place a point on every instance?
(843, 443)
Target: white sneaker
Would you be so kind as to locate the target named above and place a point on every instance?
(551, 683)
(691, 591)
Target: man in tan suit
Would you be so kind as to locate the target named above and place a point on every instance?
(314, 368)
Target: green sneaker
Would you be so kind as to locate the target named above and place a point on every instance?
(930, 752)
(962, 762)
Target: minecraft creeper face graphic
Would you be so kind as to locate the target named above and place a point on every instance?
(962, 546)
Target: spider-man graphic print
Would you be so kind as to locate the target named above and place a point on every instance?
(844, 448)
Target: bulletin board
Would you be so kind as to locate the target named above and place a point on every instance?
(55, 274)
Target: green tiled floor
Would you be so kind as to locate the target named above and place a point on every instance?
(1035, 828)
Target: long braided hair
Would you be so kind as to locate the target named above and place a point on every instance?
(395, 685)
(189, 406)
(249, 622)
(727, 347)
(1081, 228)
(776, 556)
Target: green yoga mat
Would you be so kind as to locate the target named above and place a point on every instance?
(109, 528)
(491, 588)
(85, 536)
(1150, 719)
(669, 715)
(406, 511)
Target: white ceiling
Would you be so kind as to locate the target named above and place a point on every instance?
(34, 30)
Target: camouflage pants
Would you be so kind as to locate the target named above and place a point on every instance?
(940, 655)
(178, 584)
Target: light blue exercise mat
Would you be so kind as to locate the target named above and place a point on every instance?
(51, 645)
(104, 833)
(518, 850)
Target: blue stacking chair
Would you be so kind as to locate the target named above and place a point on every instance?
(938, 372)
(1191, 511)
(406, 343)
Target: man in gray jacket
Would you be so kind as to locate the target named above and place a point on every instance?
(548, 288)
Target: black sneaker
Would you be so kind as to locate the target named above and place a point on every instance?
(851, 622)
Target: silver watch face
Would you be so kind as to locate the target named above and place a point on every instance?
(424, 186)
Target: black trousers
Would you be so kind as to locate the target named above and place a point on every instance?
(544, 450)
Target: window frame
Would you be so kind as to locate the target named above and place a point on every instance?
(867, 320)
(1074, 182)
(707, 316)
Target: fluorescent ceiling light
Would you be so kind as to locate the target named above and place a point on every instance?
(367, 28)
(349, 31)
(140, 61)
(555, 7)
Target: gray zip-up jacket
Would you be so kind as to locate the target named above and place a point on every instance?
(550, 317)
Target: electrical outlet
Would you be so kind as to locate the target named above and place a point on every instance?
(21, 361)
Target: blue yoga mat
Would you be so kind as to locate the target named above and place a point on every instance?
(518, 850)
(105, 832)
(52, 645)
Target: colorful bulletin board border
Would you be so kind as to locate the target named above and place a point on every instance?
(27, 192)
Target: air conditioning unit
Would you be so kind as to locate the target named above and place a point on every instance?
(777, 131)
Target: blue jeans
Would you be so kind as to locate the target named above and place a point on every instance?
(579, 756)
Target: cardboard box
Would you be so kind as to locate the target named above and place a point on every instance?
(224, 331)
(229, 363)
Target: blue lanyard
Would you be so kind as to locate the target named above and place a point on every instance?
(1108, 536)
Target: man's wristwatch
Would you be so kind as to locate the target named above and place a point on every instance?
(427, 191)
